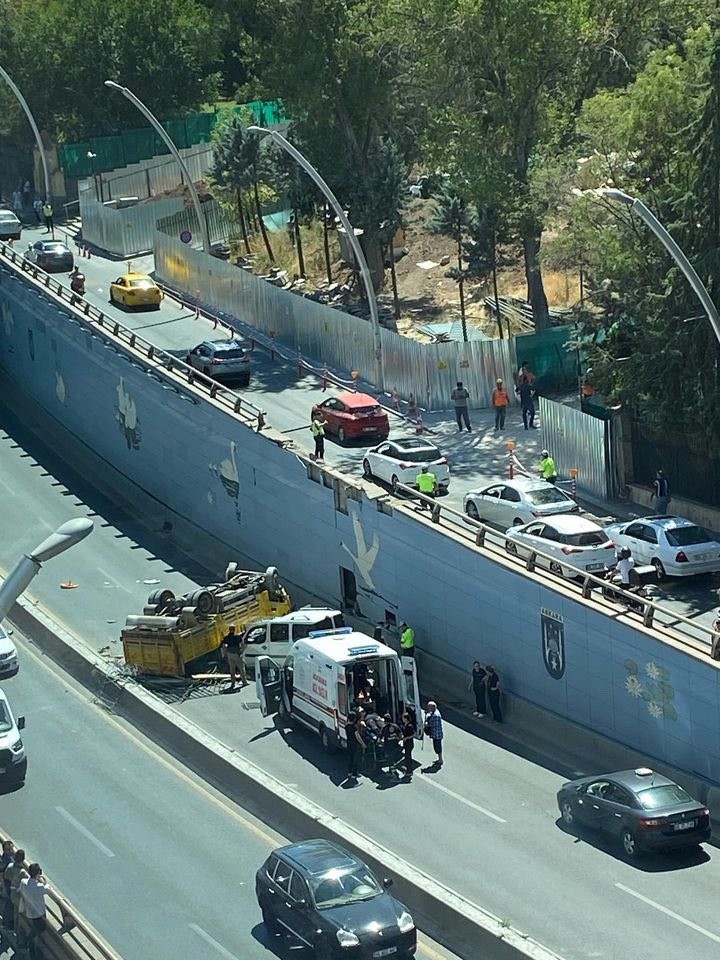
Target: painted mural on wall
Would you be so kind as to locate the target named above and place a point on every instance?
(553, 642)
(364, 556)
(127, 417)
(653, 686)
(227, 473)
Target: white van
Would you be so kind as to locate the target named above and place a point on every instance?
(318, 683)
(274, 638)
(13, 762)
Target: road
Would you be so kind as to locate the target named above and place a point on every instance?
(157, 861)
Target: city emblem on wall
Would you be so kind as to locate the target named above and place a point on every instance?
(553, 642)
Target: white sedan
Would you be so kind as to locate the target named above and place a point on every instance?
(676, 547)
(400, 461)
(9, 664)
(567, 538)
(509, 503)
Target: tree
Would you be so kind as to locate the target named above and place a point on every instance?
(451, 217)
(486, 232)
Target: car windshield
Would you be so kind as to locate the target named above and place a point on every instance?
(588, 539)
(421, 455)
(364, 411)
(7, 215)
(551, 495)
(235, 354)
(666, 795)
(5, 722)
(338, 887)
(687, 536)
(143, 284)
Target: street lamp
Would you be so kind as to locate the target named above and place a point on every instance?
(28, 566)
(352, 239)
(36, 132)
(673, 249)
(162, 133)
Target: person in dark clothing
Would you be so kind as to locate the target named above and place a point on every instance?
(234, 650)
(492, 682)
(526, 393)
(408, 743)
(460, 397)
(661, 492)
(355, 745)
(477, 685)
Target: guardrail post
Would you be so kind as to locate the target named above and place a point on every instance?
(116, 330)
(715, 647)
(237, 406)
(435, 513)
(587, 588)
(648, 614)
(480, 537)
(260, 420)
(151, 352)
(530, 564)
(132, 339)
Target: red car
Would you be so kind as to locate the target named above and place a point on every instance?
(352, 416)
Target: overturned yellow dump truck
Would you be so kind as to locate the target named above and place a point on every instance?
(173, 632)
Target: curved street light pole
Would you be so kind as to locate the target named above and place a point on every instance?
(38, 139)
(673, 249)
(352, 239)
(162, 133)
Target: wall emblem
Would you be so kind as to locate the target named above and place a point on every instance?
(127, 417)
(553, 642)
(365, 556)
(653, 686)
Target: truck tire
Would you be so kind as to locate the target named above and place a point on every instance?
(203, 601)
(160, 599)
(272, 582)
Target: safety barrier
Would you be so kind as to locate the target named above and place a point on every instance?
(446, 517)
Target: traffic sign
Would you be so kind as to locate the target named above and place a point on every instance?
(186, 236)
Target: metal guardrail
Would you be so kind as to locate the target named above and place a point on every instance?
(161, 362)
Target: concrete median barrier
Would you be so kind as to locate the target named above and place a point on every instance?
(463, 927)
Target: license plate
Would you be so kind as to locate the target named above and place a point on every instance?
(703, 556)
(685, 826)
(386, 952)
(368, 429)
(595, 566)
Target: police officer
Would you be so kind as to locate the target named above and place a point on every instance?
(547, 467)
(317, 428)
(426, 484)
(407, 640)
(47, 212)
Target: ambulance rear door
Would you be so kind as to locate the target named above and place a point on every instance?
(268, 685)
(411, 693)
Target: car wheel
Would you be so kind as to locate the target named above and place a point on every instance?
(326, 739)
(367, 470)
(629, 842)
(341, 435)
(567, 813)
(556, 568)
(471, 510)
(271, 924)
(659, 569)
(511, 548)
(394, 483)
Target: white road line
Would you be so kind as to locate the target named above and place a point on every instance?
(669, 913)
(213, 943)
(85, 832)
(468, 803)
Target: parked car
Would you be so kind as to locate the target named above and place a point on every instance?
(13, 761)
(331, 902)
(10, 226)
(222, 360)
(275, 637)
(136, 290)
(641, 808)
(400, 461)
(567, 538)
(676, 547)
(350, 416)
(9, 664)
(51, 255)
(510, 503)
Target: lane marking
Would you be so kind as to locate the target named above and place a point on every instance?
(85, 832)
(212, 941)
(670, 913)
(456, 796)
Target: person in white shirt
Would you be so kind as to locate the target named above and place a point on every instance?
(624, 565)
(32, 897)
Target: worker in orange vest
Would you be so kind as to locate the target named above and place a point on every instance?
(500, 402)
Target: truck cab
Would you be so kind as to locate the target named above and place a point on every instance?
(323, 677)
(274, 637)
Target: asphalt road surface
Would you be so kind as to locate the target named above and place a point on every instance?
(157, 861)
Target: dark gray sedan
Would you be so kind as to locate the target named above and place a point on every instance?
(51, 256)
(642, 808)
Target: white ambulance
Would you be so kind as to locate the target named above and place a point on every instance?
(322, 676)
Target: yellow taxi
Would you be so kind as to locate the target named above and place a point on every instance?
(136, 290)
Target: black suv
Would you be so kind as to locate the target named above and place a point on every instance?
(332, 902)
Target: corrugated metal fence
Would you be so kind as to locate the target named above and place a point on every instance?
(576, 439)
(344, 342)
(126, 232)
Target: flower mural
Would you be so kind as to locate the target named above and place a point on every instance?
(653, 686)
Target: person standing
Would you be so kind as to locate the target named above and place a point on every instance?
(477, 685)
(17, 204)
(32, 897)
(355, 745)
(408, 743)
(526, 394)
(434, 730)
(14, 873)
(661, 492)
(427, 485)
(317, 428)
(234, 649)
(38, 208)
(407, 640)
(525, 375)
(48, 212)
(548, 470)
(500, 403)
(492, 682)
(460, 397)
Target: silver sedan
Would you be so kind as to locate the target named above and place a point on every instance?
(509, 503)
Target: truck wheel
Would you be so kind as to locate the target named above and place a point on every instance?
(160, 598)
(203, 601)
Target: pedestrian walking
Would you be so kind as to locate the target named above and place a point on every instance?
(548, 471)
(477, 685)
(408, 743)
(317, 428)
(492, 682)
(500, 403)
(526, 393)
(14, 873)
(660, 493)
(427, 484)
(47, 212)
(413, 410)
(407, 640)
(38, 208)
(434, 730)
(32, 897)
(355, 744)
(234, 650)
(460, 397)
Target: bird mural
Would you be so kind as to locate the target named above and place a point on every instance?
(227, 471)
(366, 556)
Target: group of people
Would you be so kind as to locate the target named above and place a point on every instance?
(366, 730)
(24, 889)
(485, 685)
(24, 202)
